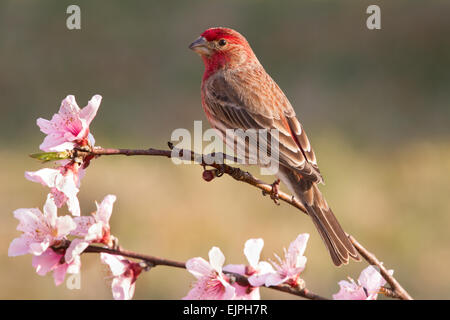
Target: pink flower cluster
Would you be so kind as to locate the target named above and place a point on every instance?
(213, 280)
(45, 235)
(67, 130)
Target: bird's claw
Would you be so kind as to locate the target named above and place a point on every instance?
(274, 192)
(220, 171)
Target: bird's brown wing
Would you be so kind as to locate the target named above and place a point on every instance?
(252, 100)
(264, 107)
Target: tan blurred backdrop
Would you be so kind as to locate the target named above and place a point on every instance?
(374, 103)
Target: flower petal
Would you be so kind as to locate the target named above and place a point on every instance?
(105, 208)
(46, 261)
(91, 139)
(73, 205)
(46, 176)
(19, 246)
(82, 225)
(64, 226)
(45, 125)
(77, 246)
(37, 248)
(115, 263)
(229, 293)
(88, 113)
(95, 232)
(264, 269)
(246, 293)
(199, 267)
(216, 259)
(275, 279)
(122, 288)
(56, 143)
(50, 211)
(235, 268)
(349, 291)
(59, 273)
(371, 279)
(252, 251)
(298, 246)
(30, 219)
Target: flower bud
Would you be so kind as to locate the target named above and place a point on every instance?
(208, 175)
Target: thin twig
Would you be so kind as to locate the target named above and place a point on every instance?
(155, 261)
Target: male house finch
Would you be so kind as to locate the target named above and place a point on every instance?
(237, 93)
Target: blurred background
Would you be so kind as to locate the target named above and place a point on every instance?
(375, 105)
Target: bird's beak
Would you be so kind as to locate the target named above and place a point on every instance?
(201, 46)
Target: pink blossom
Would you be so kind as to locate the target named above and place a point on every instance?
(95, 228)
(60, 263)
(246, 292)
(70, 126)
(40, 230)
(369, 283)
(242, 292)
(288, 270)
(125, 273)
(64, 183)
(211, 283)
(257, 271)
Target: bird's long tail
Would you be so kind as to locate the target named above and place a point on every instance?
(331, 232)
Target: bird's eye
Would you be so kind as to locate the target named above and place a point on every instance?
(222, 42)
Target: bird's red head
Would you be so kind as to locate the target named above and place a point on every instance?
(223, 48)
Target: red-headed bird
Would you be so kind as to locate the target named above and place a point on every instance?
(237, 93)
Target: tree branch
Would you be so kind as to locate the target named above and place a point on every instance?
(396, 291)
(372, 259)
(234, 172)
(156, 261)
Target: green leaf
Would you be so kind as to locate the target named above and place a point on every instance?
(50, 156)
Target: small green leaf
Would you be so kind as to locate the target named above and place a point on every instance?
(50, 156)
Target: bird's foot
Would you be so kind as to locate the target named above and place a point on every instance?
(220, 170)
(209, 175)
(274, 192)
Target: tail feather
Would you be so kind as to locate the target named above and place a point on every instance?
(331, 232)
(335, 256)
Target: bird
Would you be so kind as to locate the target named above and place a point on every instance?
(237, 93)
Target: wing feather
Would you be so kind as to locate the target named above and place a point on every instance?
(234, 102)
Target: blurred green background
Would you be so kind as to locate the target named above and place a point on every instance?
(375, 105)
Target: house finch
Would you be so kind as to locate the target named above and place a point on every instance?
(237, 93)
